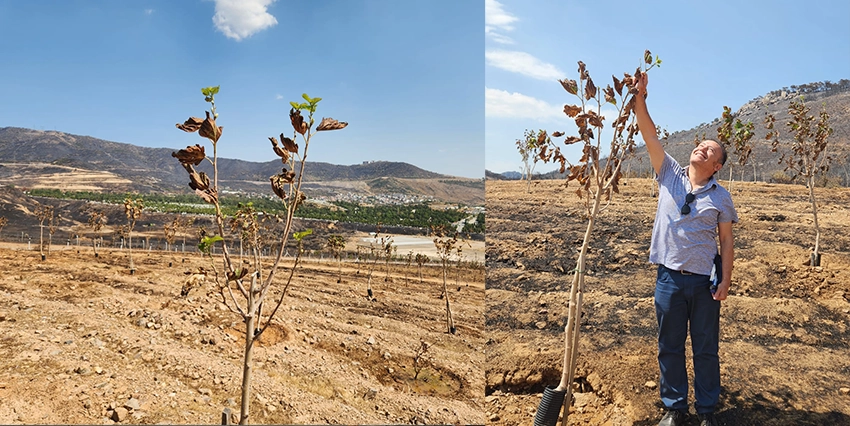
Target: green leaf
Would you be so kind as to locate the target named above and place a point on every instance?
(207, 242)
(306, 98)
(300, 235)
(294, 105)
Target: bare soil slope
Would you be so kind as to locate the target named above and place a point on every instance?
(82, 338)
(785, 357)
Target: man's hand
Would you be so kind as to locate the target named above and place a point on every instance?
(641, 84)
(646, 126)
(722, 291)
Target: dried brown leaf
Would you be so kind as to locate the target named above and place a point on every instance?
(191, 125)
(570, 86)
(289, 144)
(282, 153)
(297, 121)
(209, 130)
(618, 85)
(589, 89)
(609, 95)
(572, 110)
(330, 124)
(571, 140)
(191, 155)
(647, 57)
(557, 134)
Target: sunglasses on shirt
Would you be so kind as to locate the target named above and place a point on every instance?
(686, 208)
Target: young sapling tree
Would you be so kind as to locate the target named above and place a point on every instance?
(3, 222)
(804, 155)
(598, 178)
(529, 148)
(337, 244)
(96, 221)
(446, 243)
(388, 249)
(250, 282)
(421, 259)
(43, 213)
(421, 357)
(736, 136)
(133, 209)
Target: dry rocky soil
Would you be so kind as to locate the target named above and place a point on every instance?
(785, 328)
(84, 341)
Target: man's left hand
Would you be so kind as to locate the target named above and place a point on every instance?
(722, 291)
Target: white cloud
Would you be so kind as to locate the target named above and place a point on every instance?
(523, 63)
(496, 19)
(278, 96)
(239, 19)
(503, 104)
(149, 11)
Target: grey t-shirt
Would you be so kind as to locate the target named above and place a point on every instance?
(688, 242)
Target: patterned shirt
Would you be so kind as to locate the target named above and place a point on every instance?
(688, 242)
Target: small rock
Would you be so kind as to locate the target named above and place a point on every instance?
(494, 417)
(371, 340)
(650, 385)
(540, 325)
(207, 391)
(120, 414)
(844, 391)
(98, 370)
(132, 404)
(271, 408)
(261, 399)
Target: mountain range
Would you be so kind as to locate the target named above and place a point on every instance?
(52, 159)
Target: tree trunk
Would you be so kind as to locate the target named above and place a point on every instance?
(815, 214)
(249, 351)
(574, 318)
(450, 325)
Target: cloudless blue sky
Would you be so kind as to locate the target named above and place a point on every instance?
(406, 75)
(714, 53)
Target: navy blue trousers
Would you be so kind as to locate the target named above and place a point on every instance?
(682, 300)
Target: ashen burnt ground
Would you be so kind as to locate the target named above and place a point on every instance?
(784, 329)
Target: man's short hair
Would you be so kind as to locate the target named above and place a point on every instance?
(723, 154)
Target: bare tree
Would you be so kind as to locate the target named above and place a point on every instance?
(133, 209)
(337, 243)
(43, 213)
(286, 185)
(96, 221)
(803, 155)
(598, 178)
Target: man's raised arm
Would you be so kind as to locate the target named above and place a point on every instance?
(647, 127)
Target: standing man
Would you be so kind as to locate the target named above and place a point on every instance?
(693, 211)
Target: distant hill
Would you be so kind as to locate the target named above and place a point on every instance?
(50, 158)
(762, 163)
(503, 176)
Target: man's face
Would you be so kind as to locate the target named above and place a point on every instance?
(707, 154)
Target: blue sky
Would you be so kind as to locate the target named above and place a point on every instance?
(407, 76)
(714, 54)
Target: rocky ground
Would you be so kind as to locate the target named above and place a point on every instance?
(83, 341)
(785, 357)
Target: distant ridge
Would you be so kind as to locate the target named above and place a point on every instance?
(143, 169)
